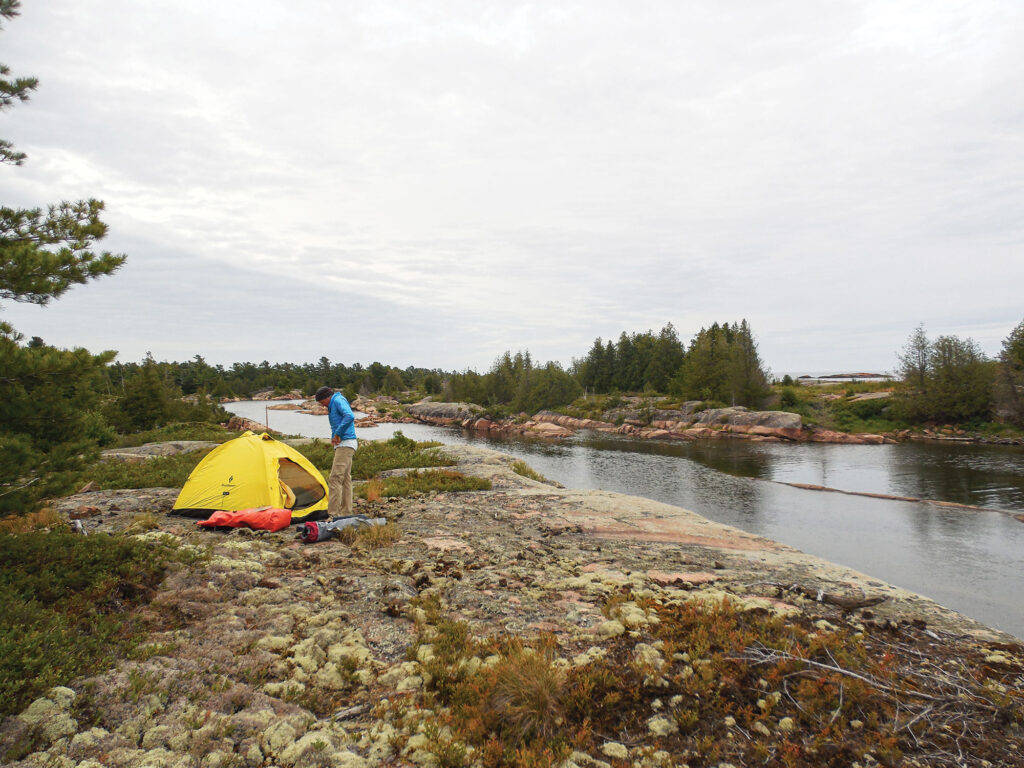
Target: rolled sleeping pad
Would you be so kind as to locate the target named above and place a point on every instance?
(321, 530)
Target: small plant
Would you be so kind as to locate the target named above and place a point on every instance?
(144, 521)
(447, 752)
(373, 489)
(525, 694)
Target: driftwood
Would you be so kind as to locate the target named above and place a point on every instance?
(821, 596)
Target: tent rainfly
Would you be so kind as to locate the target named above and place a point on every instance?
(254, 471)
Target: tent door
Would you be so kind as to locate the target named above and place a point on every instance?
(304, 486)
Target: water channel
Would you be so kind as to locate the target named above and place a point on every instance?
(969, 560)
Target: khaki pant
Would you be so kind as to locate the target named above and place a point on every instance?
(339, 484)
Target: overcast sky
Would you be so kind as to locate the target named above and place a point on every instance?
(431, 183)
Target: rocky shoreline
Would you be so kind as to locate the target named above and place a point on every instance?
(266, 651)
(686, 423)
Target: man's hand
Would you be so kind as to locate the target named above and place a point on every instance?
(335, 440)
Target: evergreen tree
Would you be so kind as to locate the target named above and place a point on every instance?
(145, 400)
(42, 256)
(643, 347)
(704, 372)
(666, 360)
(723, 365)
(961, 381)
(393, 382)
(501, 380)
(914, 359)
(12, 90)
(748, 379)
(1011, 376)
(221, 388)
(948, 380)
(49, 425)
(598, 368)
(431, 383)
(625, 376)
(524, 397)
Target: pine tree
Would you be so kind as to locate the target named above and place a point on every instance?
(748, 379)
(49, 425)
(1011, 376)
(948, 379)
(723, 365)
(666, 359)
(49, 422)
(962, 377)
(914, 359)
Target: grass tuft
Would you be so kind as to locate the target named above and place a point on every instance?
(520, 467)
(47, 517)
(370, 536)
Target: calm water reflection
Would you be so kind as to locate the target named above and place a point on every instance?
(968, 560)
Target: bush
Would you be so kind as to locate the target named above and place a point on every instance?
(375, 456)
(64, 598)
(192, 430)
(864, 415)
(159, 472)
(788, 398)
(427, 481)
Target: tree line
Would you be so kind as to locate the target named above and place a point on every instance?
(246, 379)
(949, 379)
(720, 365)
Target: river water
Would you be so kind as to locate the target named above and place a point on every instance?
(969, 560)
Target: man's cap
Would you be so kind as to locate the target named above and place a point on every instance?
(323, 393)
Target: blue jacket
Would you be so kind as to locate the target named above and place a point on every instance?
(343, 422)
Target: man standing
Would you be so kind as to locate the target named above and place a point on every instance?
(343, 438)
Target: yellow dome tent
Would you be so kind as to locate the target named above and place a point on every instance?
(254, 471)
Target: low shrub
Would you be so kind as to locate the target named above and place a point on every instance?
(376, 456)
(193, 430)
(864, 415)
(65, 598)
(158, 472)
(722, 683)
(788, 398)
(427, 481)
